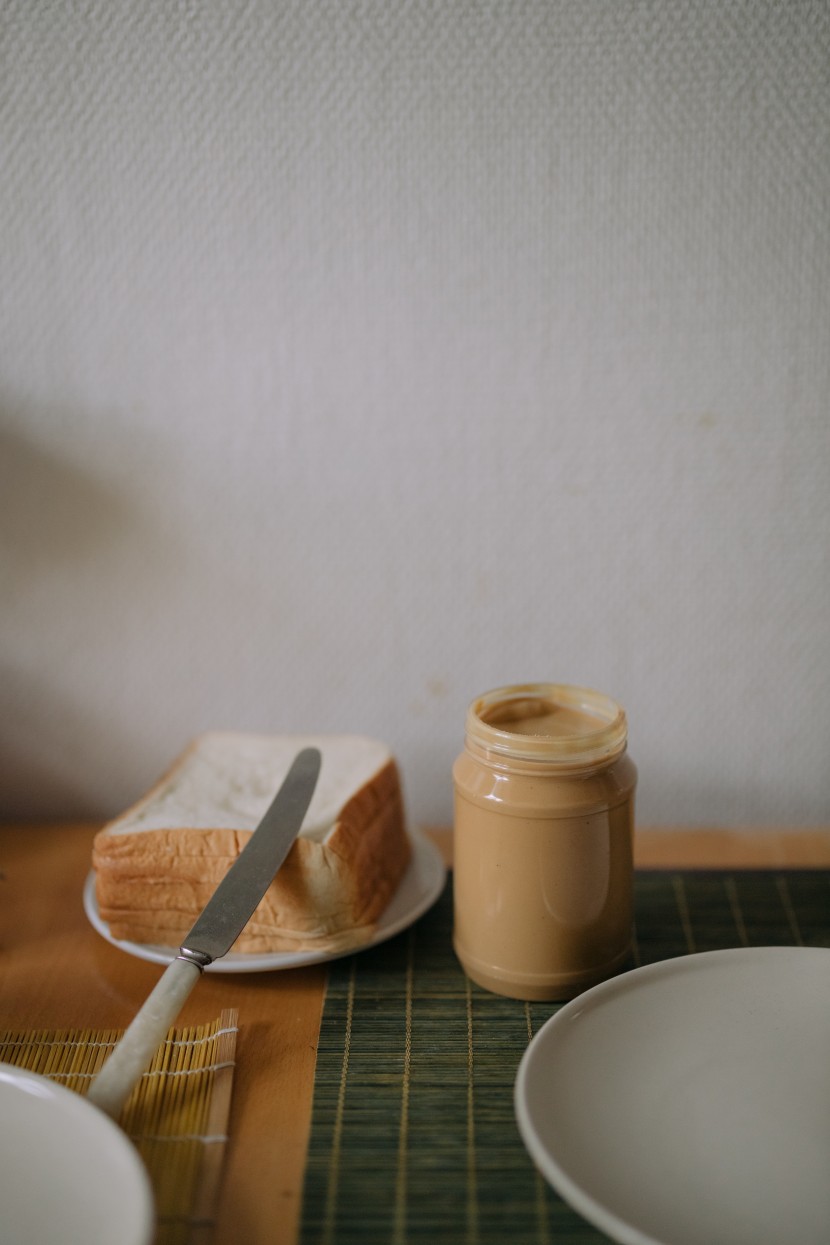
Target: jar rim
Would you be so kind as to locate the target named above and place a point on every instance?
(489, 715)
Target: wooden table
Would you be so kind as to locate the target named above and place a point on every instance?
(56, 971)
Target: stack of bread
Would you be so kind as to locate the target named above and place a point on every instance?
(157, 864)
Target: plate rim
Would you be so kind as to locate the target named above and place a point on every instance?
(425, 854)
(574, 1193)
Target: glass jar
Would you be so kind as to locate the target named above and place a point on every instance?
(543, 841)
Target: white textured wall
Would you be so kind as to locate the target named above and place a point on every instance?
(358, 356)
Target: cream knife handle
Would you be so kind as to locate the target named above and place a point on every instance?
(112, 1086)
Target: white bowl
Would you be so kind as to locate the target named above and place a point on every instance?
(68, 1174)
(688, 1102)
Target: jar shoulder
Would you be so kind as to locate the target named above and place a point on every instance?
(543, 793)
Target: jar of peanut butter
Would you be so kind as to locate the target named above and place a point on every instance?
(544, 811)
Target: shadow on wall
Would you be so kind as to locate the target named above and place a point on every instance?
(53, 512)
(62, 530)
(40, 740)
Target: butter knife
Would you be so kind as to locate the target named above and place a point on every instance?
(225, 915)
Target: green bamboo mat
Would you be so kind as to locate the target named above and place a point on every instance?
(413, 1134)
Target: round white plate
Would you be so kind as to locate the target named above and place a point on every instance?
(68, 1175)
(688, 1102)
(419, 888)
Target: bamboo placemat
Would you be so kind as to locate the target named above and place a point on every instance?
(413, 1133)
(177, 1115)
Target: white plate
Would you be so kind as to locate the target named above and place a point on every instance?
(68, 1174)
(420, 887)
(688, 1102)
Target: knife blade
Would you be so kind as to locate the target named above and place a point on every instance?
(220, 923)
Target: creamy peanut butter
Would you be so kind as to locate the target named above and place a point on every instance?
(540, 717)
(543, 841)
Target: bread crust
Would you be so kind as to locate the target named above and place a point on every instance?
(152, 884)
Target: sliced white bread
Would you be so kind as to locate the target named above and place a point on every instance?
(158, 863)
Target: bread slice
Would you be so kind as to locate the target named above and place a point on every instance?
(158, 863)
